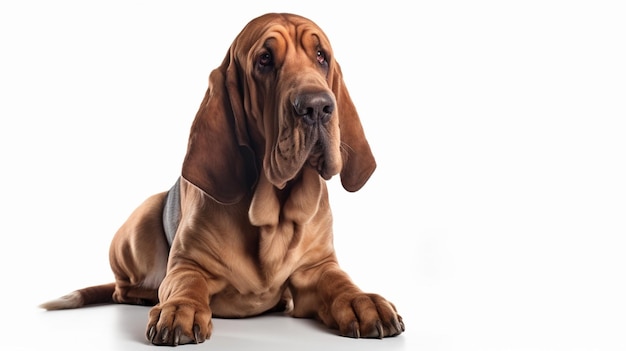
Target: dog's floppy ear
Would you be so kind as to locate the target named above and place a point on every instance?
(219, 158)
(358, 161)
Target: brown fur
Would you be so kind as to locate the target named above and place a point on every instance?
(256, 228)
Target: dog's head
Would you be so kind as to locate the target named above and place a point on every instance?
(278, 102)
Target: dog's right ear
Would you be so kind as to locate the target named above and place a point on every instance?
(358, 160)
(219, 158)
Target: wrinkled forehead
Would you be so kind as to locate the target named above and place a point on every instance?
(281, 32)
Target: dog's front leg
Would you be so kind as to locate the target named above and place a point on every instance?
(183, 315)
(341, 305)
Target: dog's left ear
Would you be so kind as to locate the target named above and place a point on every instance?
(219, 158)
(358, 161)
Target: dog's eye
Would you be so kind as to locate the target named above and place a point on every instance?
(321, 57)
(265, 60)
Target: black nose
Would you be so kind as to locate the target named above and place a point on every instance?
(314, 107)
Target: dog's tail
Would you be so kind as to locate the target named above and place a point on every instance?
(99, 294)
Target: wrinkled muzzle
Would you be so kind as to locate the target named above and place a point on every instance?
(308, 136)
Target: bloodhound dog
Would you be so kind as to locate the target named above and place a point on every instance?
(247, 227)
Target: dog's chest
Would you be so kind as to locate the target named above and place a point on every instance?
(257, 283)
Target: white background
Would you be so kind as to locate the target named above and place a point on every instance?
(496, 219)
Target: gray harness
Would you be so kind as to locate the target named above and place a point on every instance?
(171, 212)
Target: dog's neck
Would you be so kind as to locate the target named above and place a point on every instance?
(298, 202)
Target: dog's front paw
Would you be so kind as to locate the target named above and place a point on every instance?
(179, 322)
(363, 315)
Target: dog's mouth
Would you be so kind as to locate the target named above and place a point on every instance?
(304, 146)
(323, 154)
(317, 160)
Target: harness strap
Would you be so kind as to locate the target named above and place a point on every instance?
(171, 212)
